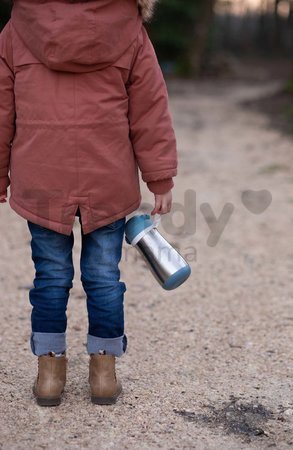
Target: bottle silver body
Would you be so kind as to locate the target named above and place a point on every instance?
(163, 260)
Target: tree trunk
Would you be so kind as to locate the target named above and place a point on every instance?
(291, 10)
(277, 27)
(200, 35)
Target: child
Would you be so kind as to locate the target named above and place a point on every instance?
(83, 106)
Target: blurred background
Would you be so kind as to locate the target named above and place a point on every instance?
(197, 37)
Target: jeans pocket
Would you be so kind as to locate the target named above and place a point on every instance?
(116, 224)
(35, 226)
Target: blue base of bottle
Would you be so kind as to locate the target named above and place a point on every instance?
(177, 278)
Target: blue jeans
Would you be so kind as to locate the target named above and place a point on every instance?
(100, 276)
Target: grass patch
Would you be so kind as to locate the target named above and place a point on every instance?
(273, 168)
(289, 87)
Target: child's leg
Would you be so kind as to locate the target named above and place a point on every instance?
(100, 276)
(52, 256)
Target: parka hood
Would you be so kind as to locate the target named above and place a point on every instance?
(78, 36)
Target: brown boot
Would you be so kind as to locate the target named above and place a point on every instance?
(105, 386)
(51, 379)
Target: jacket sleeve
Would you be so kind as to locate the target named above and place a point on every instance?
(7, 108)
(151, 130)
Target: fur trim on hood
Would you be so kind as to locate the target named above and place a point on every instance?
(146, 8)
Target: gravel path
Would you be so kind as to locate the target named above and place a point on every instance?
(209, 365)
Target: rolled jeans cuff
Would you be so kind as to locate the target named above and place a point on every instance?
(43, 343)
(112, 346)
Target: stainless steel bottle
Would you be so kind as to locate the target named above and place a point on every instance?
(165, 262)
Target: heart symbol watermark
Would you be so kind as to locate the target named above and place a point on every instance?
(256, 201)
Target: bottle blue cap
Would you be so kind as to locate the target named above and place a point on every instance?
(136, 225)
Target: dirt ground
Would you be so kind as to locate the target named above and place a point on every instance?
(209, 365)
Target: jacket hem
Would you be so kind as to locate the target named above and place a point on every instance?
(25, 214)
(67, 229)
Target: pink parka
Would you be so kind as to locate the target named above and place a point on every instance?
(83, 105)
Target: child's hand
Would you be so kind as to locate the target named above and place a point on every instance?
(3, 198)
(163, 203)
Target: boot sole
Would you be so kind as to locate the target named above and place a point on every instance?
(48, 401)
(43, 401)
(105, 400)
